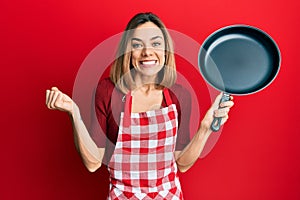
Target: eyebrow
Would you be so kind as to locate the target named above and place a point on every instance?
(153, 38)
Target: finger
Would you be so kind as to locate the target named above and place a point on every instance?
(50, 99)
(224, 119)
(222, 112)
(53, 101)
(54, 89)
(59, 100)
(47, 96)
(227, 104)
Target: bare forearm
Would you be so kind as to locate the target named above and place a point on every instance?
(187, 157)
(91, 155)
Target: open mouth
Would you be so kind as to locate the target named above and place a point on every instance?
(148, 63)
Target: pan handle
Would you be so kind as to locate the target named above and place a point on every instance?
(216, 123)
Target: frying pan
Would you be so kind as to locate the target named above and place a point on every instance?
(238, 60)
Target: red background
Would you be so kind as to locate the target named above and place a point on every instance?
(43, 43)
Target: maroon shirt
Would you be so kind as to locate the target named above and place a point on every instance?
(109, 103)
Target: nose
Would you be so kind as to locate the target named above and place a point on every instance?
(147, 51)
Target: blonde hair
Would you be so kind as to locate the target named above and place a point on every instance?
(121, 72)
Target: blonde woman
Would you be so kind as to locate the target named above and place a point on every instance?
(144, 117)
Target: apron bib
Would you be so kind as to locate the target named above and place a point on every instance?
(143, 164)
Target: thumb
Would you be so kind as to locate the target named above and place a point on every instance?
(217, 101)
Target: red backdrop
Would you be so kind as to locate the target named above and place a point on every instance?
(43, 43)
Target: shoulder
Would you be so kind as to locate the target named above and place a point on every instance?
(105, 87)
(104, 90)
(105, 84)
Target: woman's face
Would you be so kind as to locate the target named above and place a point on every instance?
(147, 49)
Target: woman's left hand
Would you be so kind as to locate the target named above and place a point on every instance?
(217, 110)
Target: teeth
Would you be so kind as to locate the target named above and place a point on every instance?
(152, 62)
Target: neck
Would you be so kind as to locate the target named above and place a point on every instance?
(147, 82)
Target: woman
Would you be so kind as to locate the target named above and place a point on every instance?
(144, 115)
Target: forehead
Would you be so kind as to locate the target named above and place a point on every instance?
(147, 31)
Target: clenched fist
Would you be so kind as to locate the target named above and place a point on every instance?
(56, 100)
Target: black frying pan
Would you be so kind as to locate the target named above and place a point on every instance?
(238, 60)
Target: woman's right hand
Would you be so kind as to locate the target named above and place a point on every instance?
(56, 100)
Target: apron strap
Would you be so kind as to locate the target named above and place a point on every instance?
(128, 105)
(167, 96)
(127, 110)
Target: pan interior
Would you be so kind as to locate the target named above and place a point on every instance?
(239, 61)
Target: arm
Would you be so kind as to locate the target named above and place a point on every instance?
(91, 155)
(188, 156)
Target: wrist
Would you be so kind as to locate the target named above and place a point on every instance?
(205, 128)
(74, 113)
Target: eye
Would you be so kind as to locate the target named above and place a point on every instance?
(156, 44)
(136, 45)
